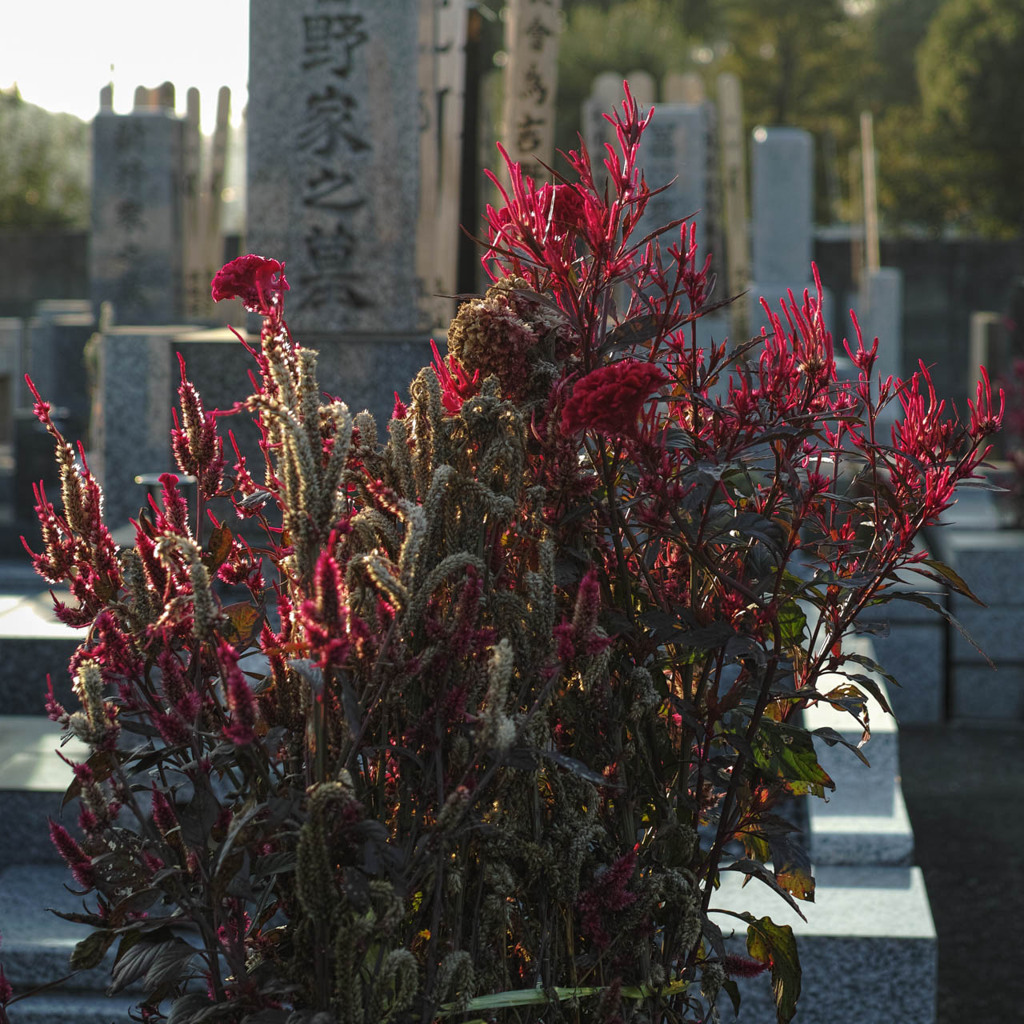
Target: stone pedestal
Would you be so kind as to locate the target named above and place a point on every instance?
(991, 561)
(132, 432)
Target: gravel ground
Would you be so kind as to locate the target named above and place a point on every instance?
(964, 787)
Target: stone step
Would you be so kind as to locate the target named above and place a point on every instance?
(865, 820)
(33, 644)
(36, 950)
(62, 1007)
(37, 945)
(868, 948)
(33, 780)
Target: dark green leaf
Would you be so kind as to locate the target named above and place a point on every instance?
(89, 953)
(786, 751)
(951, 576)
(752, 869)
(199, 815)
(134, 956)
(775, 945)
(634, 331)
(732, 990)
(576, 767)
(792, 623)
(168, 964)
(186, 1009)
(831, 737)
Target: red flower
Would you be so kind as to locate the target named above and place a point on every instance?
(610, 398)
(257, 280)
(74, 856)
(241, 703)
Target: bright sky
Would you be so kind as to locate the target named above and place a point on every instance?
(62, 52)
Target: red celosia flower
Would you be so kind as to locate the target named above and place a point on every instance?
(257, 280)
(609, 399)
(197, 449)
(6, 989)
(240, 701)
(607, 895)
(741, 967)
(76, 858)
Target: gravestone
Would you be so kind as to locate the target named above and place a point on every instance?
(783, 193)
(676, 148)
(204, 162)
(606, 95)
(683, 87)
(136, 250)
(132, 432)
(11, 356)
(333, 159)
(782, 227)
(56, 362)
(532, 28)
(881, 316)
(642, 87)
(679, 146)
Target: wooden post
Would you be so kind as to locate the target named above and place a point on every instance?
(856, 219)
(872, 248)
(734, 191)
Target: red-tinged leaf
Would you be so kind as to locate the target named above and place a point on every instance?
(243, 624)
(218, 548)
(792, 867)
(775, 945)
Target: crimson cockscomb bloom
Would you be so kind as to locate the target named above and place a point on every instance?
(75, 857)
(240, 701)
(257, 280)
(609, 399)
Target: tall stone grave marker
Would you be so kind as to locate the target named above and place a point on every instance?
(783, 228)
(675, 148)
(683, 87)
(679, 147)
(642, 87)
(442, 85)
(136, 244)
(531, 79)
(333, 158)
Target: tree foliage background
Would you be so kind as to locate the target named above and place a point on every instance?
(942, 78)
(44, 167)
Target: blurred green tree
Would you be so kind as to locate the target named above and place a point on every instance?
(971, 76)
(619, 36)
(44, 167)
